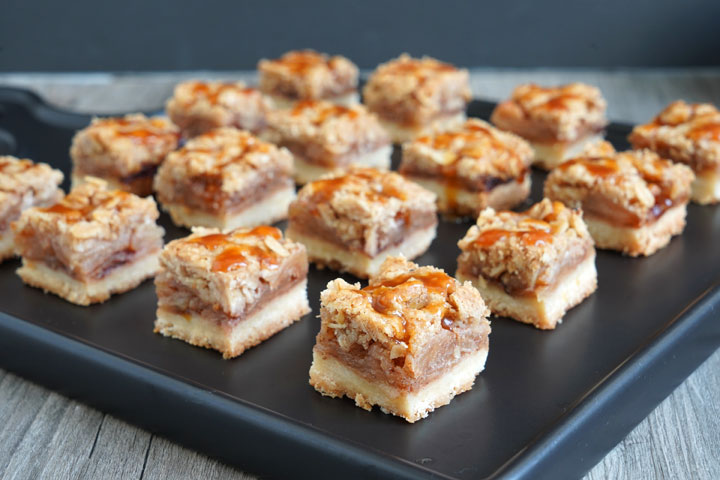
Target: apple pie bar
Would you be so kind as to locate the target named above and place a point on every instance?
(91, 244)
(532, 266)
(632, 201)
(352, 220)
(414, 97)
(23, 184)
(230, 291)
(408, 342)
(470, 167)
(123, 151)
(323, 136)
(689, 134)
(557, 121)
(226, 178)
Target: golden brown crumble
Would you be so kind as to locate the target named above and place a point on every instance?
(683, 132)
(475, 152)
(414, 91)
(308, 75)
(24, 184)
(325, 133)
(552, 114)
(230, 270)
(638, 185)
(363, 208)
(197, 107)
(527, 250)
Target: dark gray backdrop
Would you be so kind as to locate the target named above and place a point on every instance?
(134, 35)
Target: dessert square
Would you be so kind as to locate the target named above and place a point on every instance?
(198, 107)
(353, 220)
(414, 97)
(230, 291)
(226, 178)
(470, 167)
(408, 342)
(23, 184)
(309, 75)
(557, 121)
(123, 151)
(323, 136)
(532, 266)
(93, 243)
(689, 134)
(632, 201)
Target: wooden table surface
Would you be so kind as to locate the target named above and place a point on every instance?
(46, 435)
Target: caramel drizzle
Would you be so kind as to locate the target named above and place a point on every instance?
(560, 98)
(531, 232)
(234, 256)
(152, 129)
(212, 92)
(302, 61)
(72, 213)
(322, 111)
(377, 190)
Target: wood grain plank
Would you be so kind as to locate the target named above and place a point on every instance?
(119, 451)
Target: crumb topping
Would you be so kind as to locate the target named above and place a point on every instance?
(403, 307)
(306, 74)
(364, 207)
(640, 183)
(563, 113)
(474, 152)
(416, 91)
(123, 146)
(526, 250)
(232, 269)
(324, 132)
(683, 132)
(24, 184)
(198, 106)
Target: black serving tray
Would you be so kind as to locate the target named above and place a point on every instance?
(548, 405)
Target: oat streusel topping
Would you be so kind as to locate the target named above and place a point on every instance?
(527, 250)
(563, 113)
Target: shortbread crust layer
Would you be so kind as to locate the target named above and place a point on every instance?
(332, 378)
(545, 307)
(400, 133)
(119, 280)
(550, 155)
(233, 339)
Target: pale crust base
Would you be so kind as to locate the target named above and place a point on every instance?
(267, 211)
(327, 254)
(460, 202)
(546, 308)
(307, 171)
(705, 189)
(7, 244)
(332, 378)
(644, 240)
(550, 155)
(400, 133)
(120, 280)
(276, 315)
(346, 100)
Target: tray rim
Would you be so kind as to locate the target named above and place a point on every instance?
(529, 462)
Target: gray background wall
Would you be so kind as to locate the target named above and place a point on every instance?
(135, 35)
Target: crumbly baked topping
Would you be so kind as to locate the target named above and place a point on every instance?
(526, 250)
(325, 133)
(414, 91)
(197, 106)
(402, 308)
(474, 153)
(122, 146)
(683, 132)
(224, 161)
(24, 184)
(308, 75)
(640, 183)
(230, 270)
(87, 227)
(564, 113)
(362, 207)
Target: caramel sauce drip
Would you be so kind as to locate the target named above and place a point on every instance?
(212, 92)
(235, 256)
(419, 68)
(322, 113)
(706, 131)
(535, 231)
(72, 214)
(21, 166)
(323, 190)
(152, 130)
(301, 62)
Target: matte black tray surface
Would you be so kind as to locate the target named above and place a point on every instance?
(548, 405)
